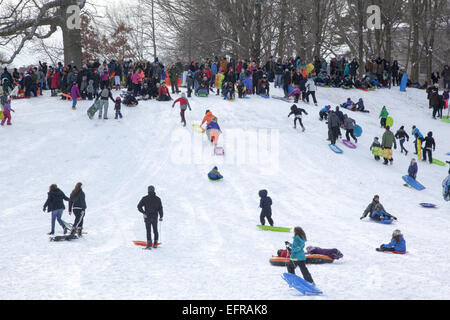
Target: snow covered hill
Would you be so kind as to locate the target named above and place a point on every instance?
(211, 246)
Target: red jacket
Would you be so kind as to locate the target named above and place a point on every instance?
(163, 91)
(55, 80)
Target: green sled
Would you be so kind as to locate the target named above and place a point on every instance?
(439, 163)
(446, 119)
(276, 229)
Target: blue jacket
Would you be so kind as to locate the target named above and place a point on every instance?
(326, 109)
(214, 68)
(213, 126)
(297, 249)
(398, 247)
(412, 171)
(417, 133)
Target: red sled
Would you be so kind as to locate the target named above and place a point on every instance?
(112, 75)
(143, 243)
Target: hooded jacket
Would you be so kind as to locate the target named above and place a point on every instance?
(55, 200)
(266, 202)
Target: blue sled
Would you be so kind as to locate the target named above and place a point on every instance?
(335, 148)
(413, 183)
(301, 285)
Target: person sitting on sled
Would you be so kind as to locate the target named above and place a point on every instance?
(215, 175)
(397, 244)
(376, 210)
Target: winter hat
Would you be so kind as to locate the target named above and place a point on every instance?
(397, 233)
(388, 128)
(151, 189)
(118, 99)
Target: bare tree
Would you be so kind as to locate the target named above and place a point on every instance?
(24, 20)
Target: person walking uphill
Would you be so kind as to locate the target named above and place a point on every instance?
(104, 96)
(298, 258)
(55, 205)
(75, 94)
(266, 208)
(150, 206)
(184, 104)
(387, 142)
(77, 202)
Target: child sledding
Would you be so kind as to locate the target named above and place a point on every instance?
(397, 244)
(377, 213)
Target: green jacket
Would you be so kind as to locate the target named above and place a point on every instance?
(384, 113)
(388, 140)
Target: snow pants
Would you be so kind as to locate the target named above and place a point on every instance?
(6, 117)
(291, 265)
(104, 105)
(349, 132)
(265, 215)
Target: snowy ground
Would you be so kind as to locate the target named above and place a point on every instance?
(211, 246)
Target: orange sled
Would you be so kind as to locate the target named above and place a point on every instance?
(142, 243)
(310, 259)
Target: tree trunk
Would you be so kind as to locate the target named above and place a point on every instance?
(153, 29)
(72, 47)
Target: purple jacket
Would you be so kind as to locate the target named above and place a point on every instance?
(294, 92)
(332, 253)
(75, 93)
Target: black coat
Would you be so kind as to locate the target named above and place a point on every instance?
(151, 206)
(77, 201)
(266, 202)
(429, 143)
(55, 200)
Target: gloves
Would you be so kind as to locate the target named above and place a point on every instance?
(395, 147)
(287, 243)
(43, 209)
(160, 219)
(362, 218)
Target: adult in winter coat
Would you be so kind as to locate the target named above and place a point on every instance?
(349, 126)
(104, 96)
(184, 104)
(353, 67)
(429, 146)
(286, 79)
(397, 244)
(387, 142)
(395, 73)
(265, 204)
(446, 76)
(77, 203)
(55, 205)
(297, 112)
(298, 258)
(435, 77)
(413, 169)
(150, 206)
(333, 126)
(402, 136)
(373, 208)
